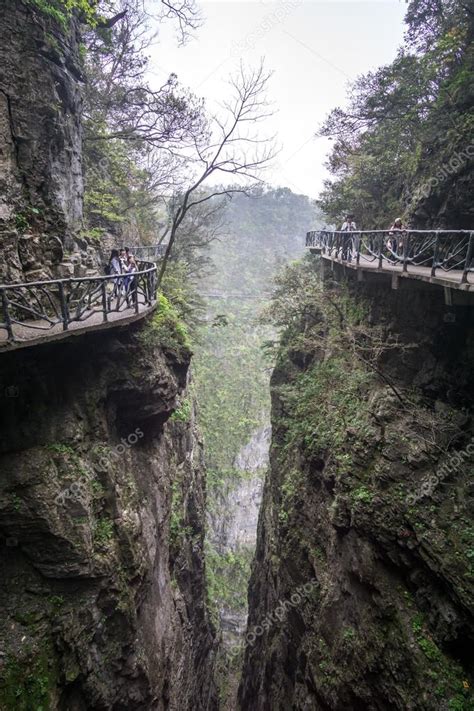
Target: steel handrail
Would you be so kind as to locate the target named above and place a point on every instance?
(448, 250)
(105, 277)
(46, 304)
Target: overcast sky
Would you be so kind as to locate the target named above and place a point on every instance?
(314, 49)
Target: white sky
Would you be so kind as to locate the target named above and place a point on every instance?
(314, 49)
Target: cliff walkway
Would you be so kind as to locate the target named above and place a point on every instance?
(444, 257)
(43, 311)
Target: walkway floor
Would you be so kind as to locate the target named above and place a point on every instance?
(28, 334)
(450, 279)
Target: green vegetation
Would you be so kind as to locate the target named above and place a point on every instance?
(56, 601)
(61, 10)
(430, 649)
(27, 685)
(231, 386)
(227, 579)
(183, 412)
(21, 222)
(94, 234)
(232, 373)
(290, 490)
(166, 329)
(104, 531)
(59, 448)
(402, 146)
(324, 404)
(97, 488)
(16, 501)
(363, 494)
(348, 634)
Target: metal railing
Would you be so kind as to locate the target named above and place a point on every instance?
(151, 252)
(53, 305)
(436, 250)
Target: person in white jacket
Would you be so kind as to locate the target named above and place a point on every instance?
(347, 226)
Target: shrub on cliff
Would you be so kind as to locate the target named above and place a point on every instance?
(166, 330)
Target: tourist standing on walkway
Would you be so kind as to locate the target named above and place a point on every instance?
(123, 260)
(393, 242)
(115, 268)
(130, 280)
(347, 226)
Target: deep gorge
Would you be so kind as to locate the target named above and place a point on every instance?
(256, 494)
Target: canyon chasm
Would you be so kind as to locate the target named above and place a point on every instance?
(255, 494)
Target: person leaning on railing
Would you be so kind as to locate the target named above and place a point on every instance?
(394, 242)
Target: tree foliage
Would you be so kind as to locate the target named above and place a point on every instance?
(403, 145)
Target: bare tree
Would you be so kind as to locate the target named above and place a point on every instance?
(119, 102)
(131, 130)
(233, 148)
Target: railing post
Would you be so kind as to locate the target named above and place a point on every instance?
(358, 240)
(381, 236)
(435, 256)
(406, 246)
(134, 291)
(149, 286)
(64, 306)
(6, 316)
(469, 256)
(103, 287)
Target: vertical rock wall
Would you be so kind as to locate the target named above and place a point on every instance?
(361, 594)
(102, 511)
(40, 141)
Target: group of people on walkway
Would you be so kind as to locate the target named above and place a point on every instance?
(393, 242)
(122, 262)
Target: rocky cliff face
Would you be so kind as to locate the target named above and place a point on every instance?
(101, 523)
(40, 141)
(362, 586)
